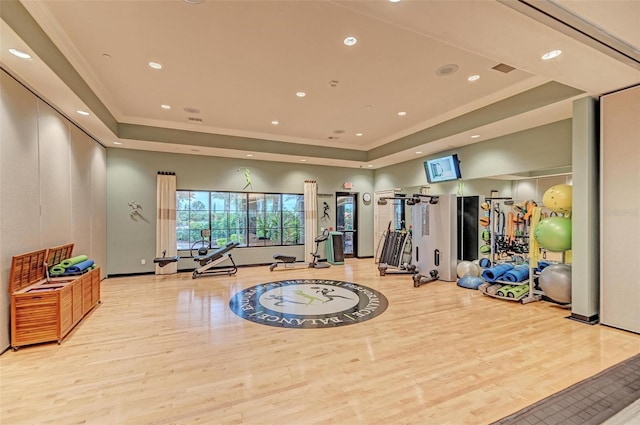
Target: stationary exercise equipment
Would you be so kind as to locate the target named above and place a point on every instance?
(555, 281)
(434, 238)
(164, 260)
(289, 261)
(396, 252)
(209, 262)
(335, 248)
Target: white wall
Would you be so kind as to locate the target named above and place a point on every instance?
(52, 185)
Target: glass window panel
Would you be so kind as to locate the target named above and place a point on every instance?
(199, 201)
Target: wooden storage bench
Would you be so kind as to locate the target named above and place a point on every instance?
(45, 309)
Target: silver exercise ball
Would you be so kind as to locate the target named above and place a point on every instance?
(555, 281)
(467, 268)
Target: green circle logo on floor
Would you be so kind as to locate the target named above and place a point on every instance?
(308, 303)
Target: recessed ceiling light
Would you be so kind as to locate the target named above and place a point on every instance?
(370, 165)
(117, 143)
(81, 112)
(475, 136)
(249, 155)
(165, 106)
(350, 41)
(552, 54)
(155, 65)
(402, 113)
(301, 94)
(358, 134)
(275, 122)
(473, 77)
(193, 1)
(303, 160)
(418, 152)
(20, 54)
(394, 1)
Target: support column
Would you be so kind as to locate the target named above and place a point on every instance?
(585, 279)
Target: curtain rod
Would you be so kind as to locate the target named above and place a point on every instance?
(166, 173)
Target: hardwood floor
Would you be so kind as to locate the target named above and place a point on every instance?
(167, 350)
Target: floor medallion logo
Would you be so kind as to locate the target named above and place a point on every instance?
(308, 303)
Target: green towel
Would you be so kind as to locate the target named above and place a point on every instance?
(73, 260)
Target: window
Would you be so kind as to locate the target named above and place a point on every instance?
(251, 219)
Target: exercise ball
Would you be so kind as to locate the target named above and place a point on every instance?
(555, 281)
(554, 234)
(558, 198)
(467, 268)
(470, 282)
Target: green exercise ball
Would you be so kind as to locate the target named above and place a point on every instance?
(558, 198)
(554, 233)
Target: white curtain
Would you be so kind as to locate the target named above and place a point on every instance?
(310, 217)
(166, 222)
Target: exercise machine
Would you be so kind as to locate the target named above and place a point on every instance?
(164, 260)
(209, 261)
(289, 261)
(396, 252)
(434, 238)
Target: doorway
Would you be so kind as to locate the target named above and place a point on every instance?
(347, 221)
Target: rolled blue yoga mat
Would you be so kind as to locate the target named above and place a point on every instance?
(517, 274)
(494, 273)
(80, 267)
(542, 265)
(484, 263)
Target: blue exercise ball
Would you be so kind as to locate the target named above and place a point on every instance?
(470, 282)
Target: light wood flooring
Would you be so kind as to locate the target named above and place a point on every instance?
(167, 350)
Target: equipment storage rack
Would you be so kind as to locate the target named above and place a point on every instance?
(46, 309)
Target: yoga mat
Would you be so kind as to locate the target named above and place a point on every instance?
(518, 291)
(517, 274)
(483, 287)
(494, 273)
(485, 263)
(57, 269)
(542, 265)
(493, 289)
(80, 267)
(502, 292)
(73, 260)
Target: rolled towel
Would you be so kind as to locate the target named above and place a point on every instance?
(80, 267)
(73, 260)
(483, 287)
(56, 270)
(502, 292)
(518, 291)
(493, 289)
(494, 273)
(517, 274)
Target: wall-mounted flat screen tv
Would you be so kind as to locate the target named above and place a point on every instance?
(442, 169)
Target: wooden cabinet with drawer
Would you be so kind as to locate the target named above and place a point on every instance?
(46, 309)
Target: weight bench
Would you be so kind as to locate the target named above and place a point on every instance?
(164, 260)
(209, 262)
(286, 260)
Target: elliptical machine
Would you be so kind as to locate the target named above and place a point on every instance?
(314, 263)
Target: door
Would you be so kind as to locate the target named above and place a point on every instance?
(346, 221)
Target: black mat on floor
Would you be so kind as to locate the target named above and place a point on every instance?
(589, 402)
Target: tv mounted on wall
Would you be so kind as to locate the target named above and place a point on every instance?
(442, 169)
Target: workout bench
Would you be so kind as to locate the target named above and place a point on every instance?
(209, 262)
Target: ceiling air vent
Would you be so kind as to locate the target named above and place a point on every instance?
(503, 67)
(194, 119)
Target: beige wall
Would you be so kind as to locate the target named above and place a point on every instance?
(52, 185)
